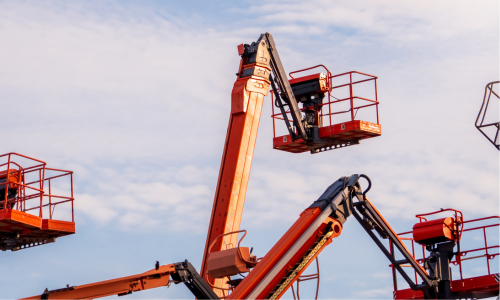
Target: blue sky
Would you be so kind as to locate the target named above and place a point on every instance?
(133, 96)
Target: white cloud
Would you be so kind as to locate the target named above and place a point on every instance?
(155, 205)
(396, 20)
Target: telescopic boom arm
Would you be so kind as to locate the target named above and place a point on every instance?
(313, 231)
(160, 276)
(258, 60)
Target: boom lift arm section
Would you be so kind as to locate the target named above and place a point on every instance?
(300, 245)
(160, 276)
(314, 229)
(252, 84)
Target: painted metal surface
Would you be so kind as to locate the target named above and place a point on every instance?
(119, 286)
(464, 287)
(28, 188)
(246, 105)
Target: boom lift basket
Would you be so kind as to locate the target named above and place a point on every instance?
(337, 115)
(487, 122)
(29, 194)
(430, 233)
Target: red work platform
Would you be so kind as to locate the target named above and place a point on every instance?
(481, 254)
(28, 201)
(475, 285)
(341, 135)
(337, 117)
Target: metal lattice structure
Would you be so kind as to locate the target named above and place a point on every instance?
(480, 122)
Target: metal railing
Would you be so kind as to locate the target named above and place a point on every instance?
(482, 114)
(326, 118)
(488, 254)
(38, 187)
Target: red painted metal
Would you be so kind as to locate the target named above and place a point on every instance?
(329, 121)
(435, 231)
(230, 261)
(276, 254)
(22, 217)
(484, 283)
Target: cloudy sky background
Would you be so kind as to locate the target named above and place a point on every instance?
(134, 97)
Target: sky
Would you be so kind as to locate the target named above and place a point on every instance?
(134, 97)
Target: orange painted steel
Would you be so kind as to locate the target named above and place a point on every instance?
(246, 105)
(264, 267)
(119, 286)
(22, 219)
(230, 262)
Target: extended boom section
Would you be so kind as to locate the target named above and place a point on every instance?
(299, 246)
(258, 60)
(247, 96)
(313, 231)
(182, 272)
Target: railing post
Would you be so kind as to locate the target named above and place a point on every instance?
(40, 214)
(274, 119)
(72, 200)
(6, 185)
(330, 106)
(351, 100)
(486, 248)
(376, 99)
(50, 201)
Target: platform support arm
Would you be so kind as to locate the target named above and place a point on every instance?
(286, 94)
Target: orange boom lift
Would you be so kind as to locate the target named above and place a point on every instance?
(309, 128)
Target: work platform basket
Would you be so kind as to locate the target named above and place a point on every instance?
(29, 195)
(347, 114)
(476, 273)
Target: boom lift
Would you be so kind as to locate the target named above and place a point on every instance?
(261, 67)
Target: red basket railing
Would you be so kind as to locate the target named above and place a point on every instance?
(488, 254)
(326, 118)
(38, 187)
